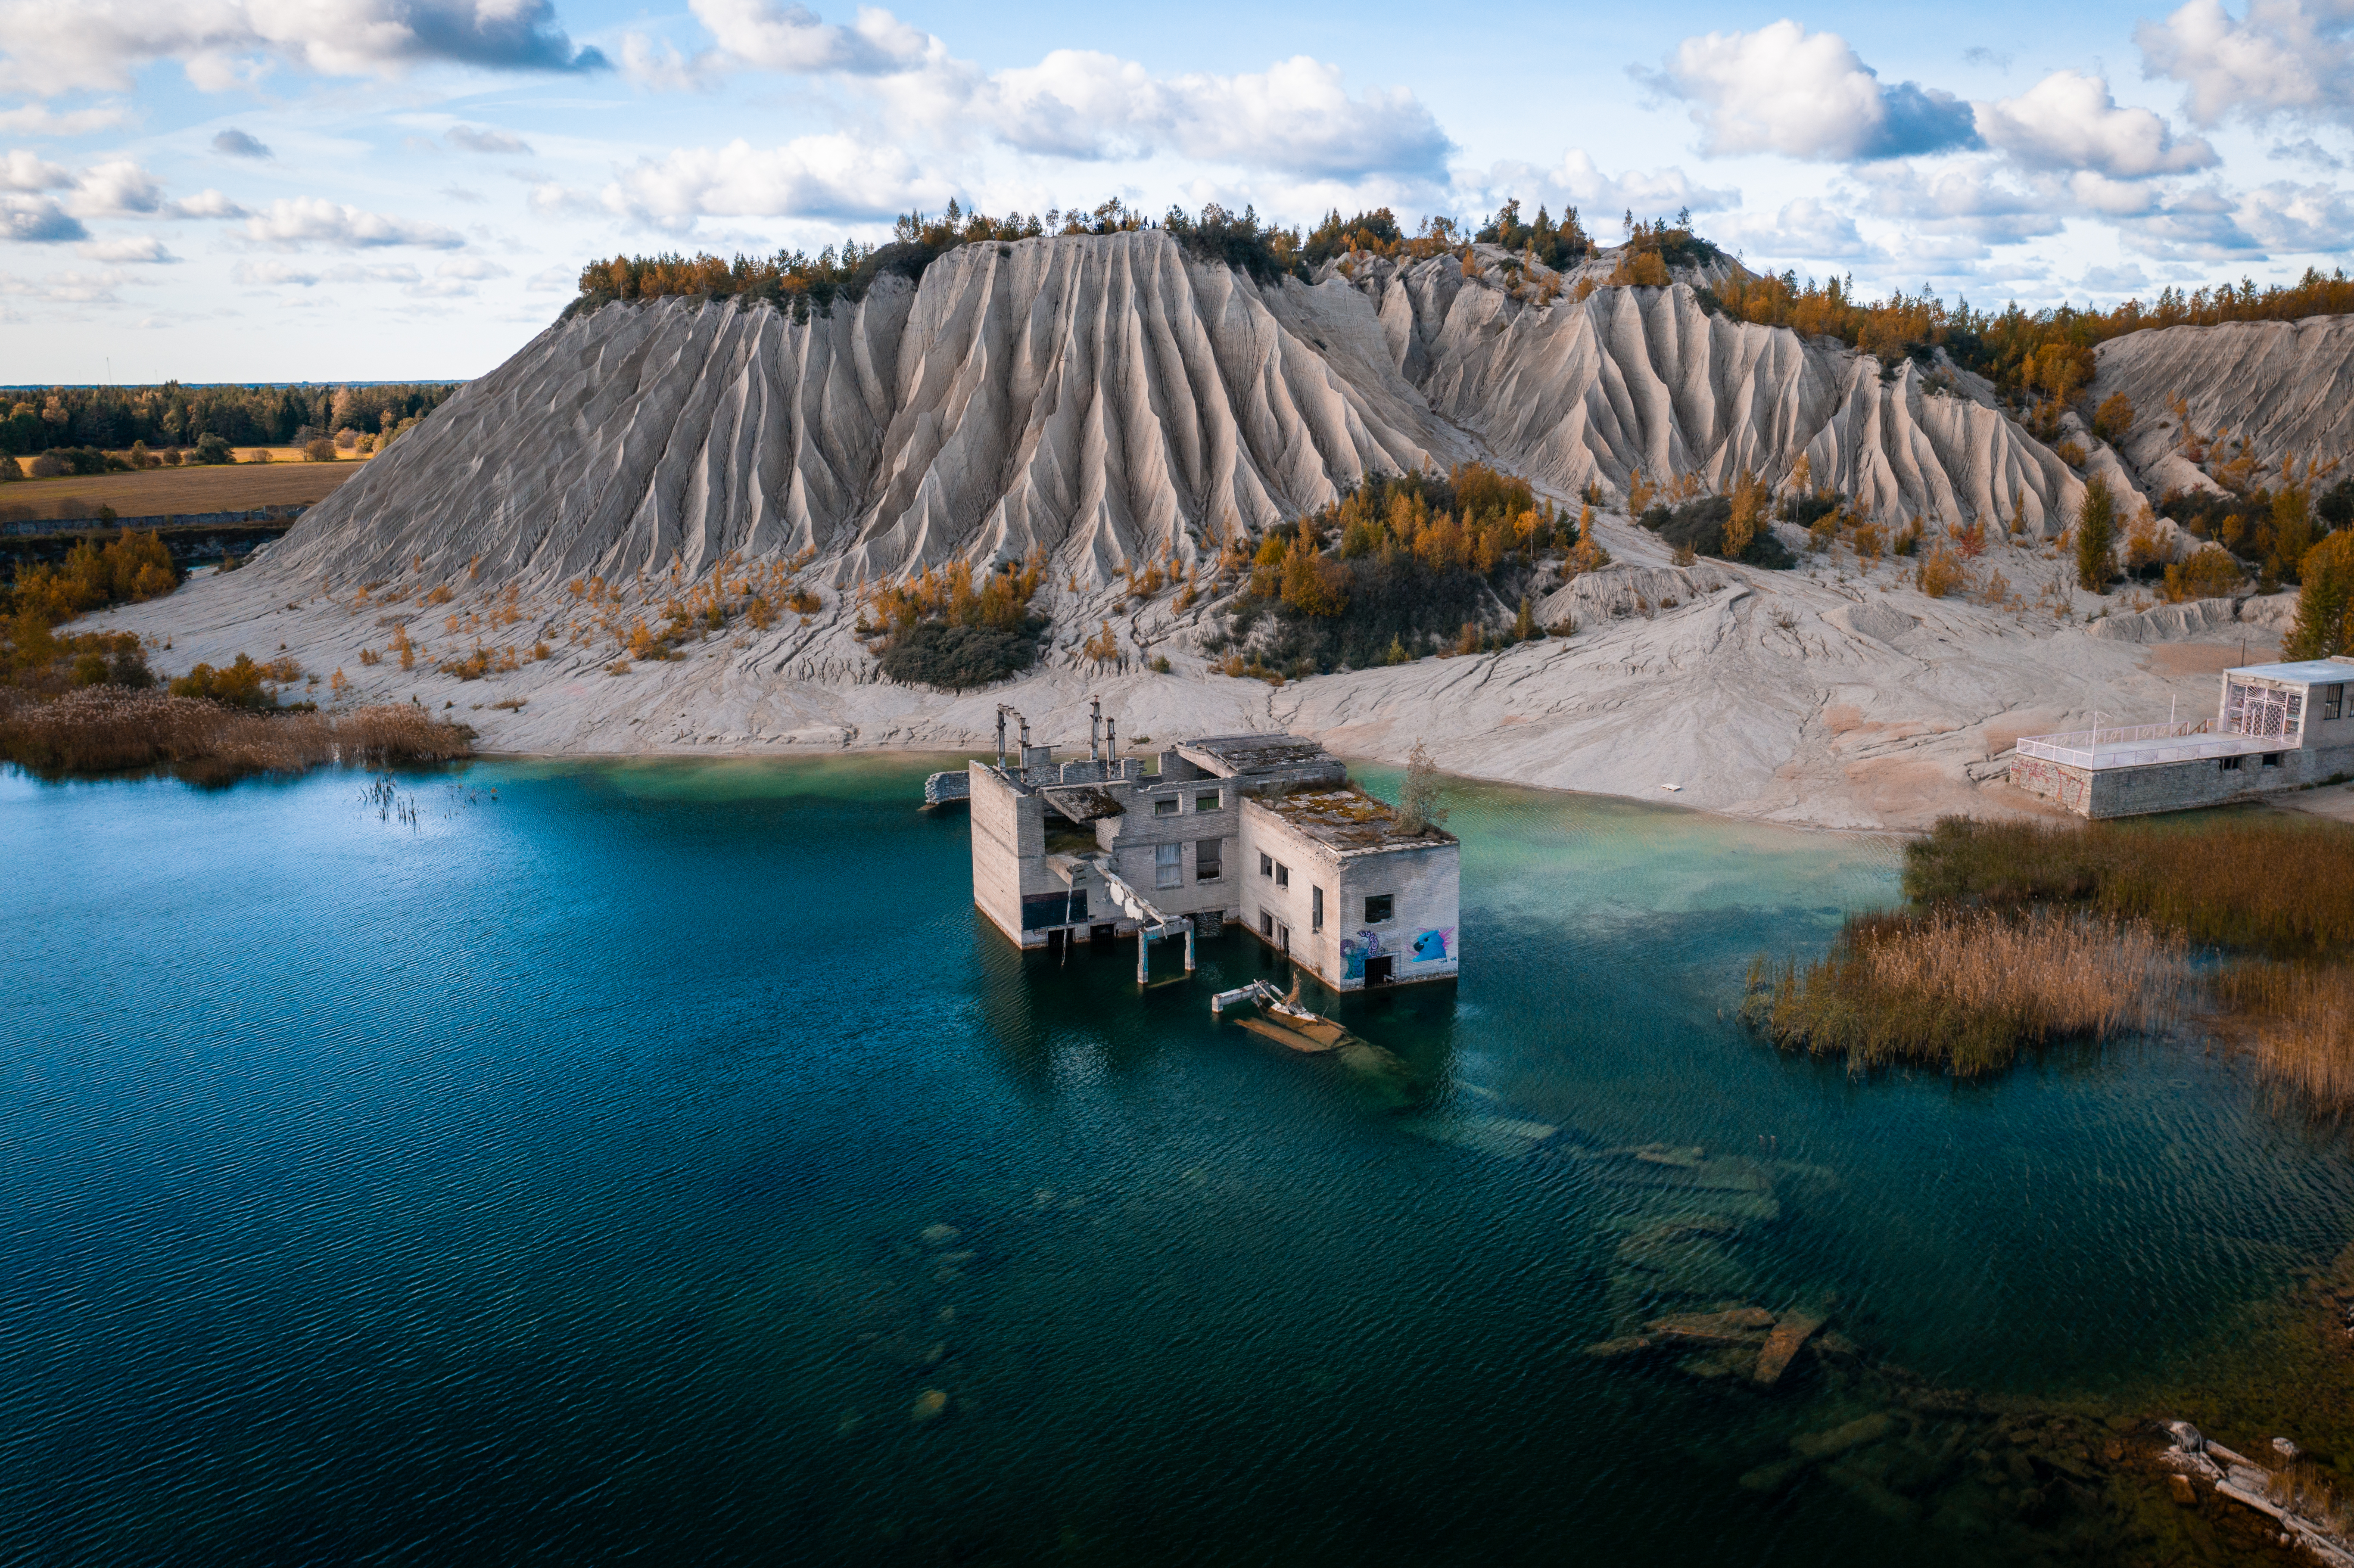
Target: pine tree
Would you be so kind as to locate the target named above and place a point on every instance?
(2096, 530)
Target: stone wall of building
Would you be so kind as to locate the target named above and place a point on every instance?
(2177, 786)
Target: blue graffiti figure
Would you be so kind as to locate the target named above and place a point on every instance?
(1352, 960)
(1429, 946)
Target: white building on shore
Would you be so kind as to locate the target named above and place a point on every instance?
(2277, 727)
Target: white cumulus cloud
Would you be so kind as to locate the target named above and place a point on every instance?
(2292, 58)
(296, 223)
(134, 248)
(811, 176)
(1805, 95)
(2070, 121)
(1295, 117)
(47, 49)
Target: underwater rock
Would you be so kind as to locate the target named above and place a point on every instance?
(1771, 1478)
(939, 1236)
(1625, 1345)
(1739, 1324)
(1728, 1360)
(930, 1403)
(1784, 1343)
(1863, 1429)
(1861, 1486)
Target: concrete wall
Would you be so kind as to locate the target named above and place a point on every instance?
(999, 827)
(1422, 881)
(1132, 839)
(2177, 786)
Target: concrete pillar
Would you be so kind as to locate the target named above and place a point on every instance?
(1189, 946)
(1143, 955)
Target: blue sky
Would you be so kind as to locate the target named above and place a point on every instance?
(372, 189)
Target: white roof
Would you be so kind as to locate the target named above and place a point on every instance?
(2311, 673)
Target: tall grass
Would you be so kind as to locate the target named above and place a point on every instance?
(113, 729)
(1965, 989)
(2259, 885)
(2298, 1020)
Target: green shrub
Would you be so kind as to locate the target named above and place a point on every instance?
(958, 658)
(1700, 524)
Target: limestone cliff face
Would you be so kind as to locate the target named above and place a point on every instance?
(1576, 392)
(2286, 387)
(1101, 397)
(1112, 401)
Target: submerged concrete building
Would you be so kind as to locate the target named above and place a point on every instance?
(1262, 829)
(2278, 726)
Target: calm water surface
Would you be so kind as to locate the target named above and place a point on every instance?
(610, 1166)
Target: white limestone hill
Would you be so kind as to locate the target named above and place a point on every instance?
(1113, 401)
(1576, 393)
(2286, 388)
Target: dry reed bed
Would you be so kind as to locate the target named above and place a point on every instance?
(2298, 1021)
(2258, 883)
(112, 729)
(1965, 990)
(2023, 933)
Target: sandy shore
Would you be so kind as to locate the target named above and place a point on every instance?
(1835, 695)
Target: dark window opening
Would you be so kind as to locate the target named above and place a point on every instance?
(1379, 970)
(1283, 939)
(1206, 802)
(1266, 925)
(2230, 765)
(2271, 758)
(1282, 874)
(1267, 865)
(1209, 859)
(1167, 808)
(1168, 865)
(1316, 909)
(1380, 907)
(2333, 701)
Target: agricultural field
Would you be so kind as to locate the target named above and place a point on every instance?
(284, 481)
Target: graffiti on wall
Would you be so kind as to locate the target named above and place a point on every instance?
(1355, 950)
(1430, 947)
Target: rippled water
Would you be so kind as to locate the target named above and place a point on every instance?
(611, 1163)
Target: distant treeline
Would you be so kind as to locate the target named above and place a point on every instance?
(2026, 353)
(111, 419)
(797, 281)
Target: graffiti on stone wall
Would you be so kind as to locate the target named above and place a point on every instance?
(1355, 950)
(1430, 947)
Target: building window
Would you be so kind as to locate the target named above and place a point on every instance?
(1206, 801)
(1282, 874)
(2333, 701)
(1316, 909)
(1168, 865)
(2271, 758)
(1380, 908)
(1267, 865)
(2230, 765)
(1266, 925)
(1209, 859)
(1165, 807)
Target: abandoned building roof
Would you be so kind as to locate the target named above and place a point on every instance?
(2311, 672)
(1082, 802)
(1349, 820)
(1234, 753)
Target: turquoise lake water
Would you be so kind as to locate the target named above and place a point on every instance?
(610, 1164)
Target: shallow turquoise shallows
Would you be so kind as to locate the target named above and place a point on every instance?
(663, 1161)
